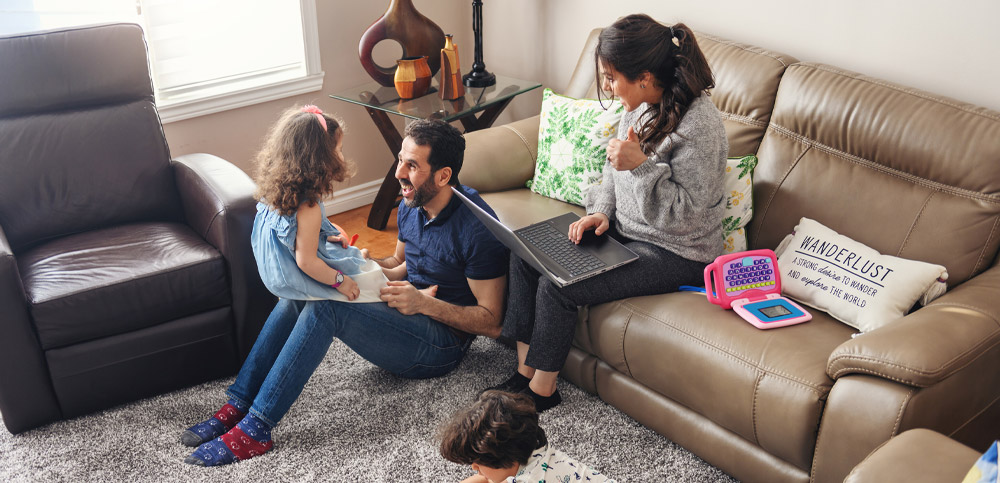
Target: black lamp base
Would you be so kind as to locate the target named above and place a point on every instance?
(479, 78)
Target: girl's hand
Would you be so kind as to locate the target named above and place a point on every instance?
(341, 238)
(364, 253)
(626, 155)
(349, 288)
(598, 221)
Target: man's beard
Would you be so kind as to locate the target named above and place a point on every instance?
(422, 194)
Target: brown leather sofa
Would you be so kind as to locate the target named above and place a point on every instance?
(123, 273)
(916, 456)
(905, 172)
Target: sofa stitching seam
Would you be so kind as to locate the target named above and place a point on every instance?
(777, 185)
(899, 413)
(913, 225)
(743, 119)
(982, 254)
(739, 358)
(747, 48)
(934, 185)
(912, 92)
(974, 416)
(523, 140)
(937, 372)
(753, 416)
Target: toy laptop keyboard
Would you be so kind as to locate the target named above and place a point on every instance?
(750, 284)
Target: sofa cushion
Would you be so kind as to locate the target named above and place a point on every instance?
(768, 386)
(573, 137)
(746, 79)
(121, 279)
(907, 173)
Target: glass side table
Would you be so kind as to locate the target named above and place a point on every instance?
(478, 109)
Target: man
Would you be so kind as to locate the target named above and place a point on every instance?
(446, 283)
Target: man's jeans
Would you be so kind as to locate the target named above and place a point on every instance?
(298, 334)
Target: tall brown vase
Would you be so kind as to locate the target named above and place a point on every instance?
(417, 34)
(413, 77)
(451, 76)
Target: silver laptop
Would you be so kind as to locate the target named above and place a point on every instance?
(547, 248)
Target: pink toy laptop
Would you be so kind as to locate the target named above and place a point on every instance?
(750, 284)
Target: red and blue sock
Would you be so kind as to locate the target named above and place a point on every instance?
(251, 437)
(223, 420)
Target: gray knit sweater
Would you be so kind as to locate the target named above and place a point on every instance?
(675, 199)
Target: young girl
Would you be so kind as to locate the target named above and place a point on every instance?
(661, 195)
(500, 438)
(301, 158)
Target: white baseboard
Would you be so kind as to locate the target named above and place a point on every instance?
(353, 197)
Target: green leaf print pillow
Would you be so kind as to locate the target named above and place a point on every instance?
(739, 202)
(573, 137)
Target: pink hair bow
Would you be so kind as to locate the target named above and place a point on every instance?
(317, 111)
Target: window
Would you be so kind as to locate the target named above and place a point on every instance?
(205, 55)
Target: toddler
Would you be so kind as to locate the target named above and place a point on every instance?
(500, 438)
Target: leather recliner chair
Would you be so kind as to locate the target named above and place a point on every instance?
(123, 273)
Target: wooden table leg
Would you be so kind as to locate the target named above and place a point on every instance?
(487, 118)
(385, 200)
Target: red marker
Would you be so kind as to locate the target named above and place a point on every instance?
(353, 239)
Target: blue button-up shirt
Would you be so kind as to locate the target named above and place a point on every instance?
(451, 248)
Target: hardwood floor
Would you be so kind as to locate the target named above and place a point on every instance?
(380, 244)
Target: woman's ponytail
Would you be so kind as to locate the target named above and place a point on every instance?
(636, 44)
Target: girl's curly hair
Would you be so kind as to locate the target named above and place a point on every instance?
(498, 430)
(298, 161)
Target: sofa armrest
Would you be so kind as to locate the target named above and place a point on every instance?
(501, 158)
(219, 205)
(27, 399)
(915, 456)
(932, 343)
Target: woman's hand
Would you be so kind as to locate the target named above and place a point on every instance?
(626, 155)
(598, 221)
(349, 288)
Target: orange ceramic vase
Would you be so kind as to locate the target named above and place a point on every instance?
(413, 77)
(451, 76)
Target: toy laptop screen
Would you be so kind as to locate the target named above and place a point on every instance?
(752, 272)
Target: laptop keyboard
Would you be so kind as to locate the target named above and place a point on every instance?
(558, 247)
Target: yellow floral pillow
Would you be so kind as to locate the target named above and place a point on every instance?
(739, 202)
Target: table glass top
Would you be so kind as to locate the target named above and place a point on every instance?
(430, 105)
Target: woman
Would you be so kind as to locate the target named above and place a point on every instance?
(661, 195)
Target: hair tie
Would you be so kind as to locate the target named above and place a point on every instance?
(318, 112)
(673, 38)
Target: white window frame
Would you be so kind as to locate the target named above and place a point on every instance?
(201, 105)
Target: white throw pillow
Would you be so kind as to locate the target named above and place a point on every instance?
(573, 137)
(852, 282)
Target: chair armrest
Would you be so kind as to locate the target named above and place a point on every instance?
(501, 158)
(932, 343)
(219, 205)
(27, 399)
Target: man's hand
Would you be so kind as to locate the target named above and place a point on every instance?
(626, 155)
(404, 297)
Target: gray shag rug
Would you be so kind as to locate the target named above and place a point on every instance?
(353, 423)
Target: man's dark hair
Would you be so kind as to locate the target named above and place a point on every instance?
(498, 430)
(446, 142)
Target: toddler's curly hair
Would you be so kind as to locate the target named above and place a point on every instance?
(498, 430)
(298, 161)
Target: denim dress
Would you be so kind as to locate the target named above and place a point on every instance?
(273, 242)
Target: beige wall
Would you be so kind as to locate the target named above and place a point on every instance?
(950, 48)
(236, 134)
